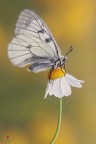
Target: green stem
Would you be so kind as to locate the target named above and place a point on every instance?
(59, 122)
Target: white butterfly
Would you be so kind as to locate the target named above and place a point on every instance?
(34, 45)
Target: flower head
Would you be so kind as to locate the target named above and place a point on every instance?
(59, 83)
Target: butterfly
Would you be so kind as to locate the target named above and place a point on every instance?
(34, 45)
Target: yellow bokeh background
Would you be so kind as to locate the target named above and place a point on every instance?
(24, 114)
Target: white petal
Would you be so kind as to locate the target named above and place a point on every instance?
(48, 89)
(73, 81)
(57, 91)
(66, 89)
(51, 87)
(71, 77)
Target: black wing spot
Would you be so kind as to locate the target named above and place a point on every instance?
(48, 40)
(29, 46)
(41, 31)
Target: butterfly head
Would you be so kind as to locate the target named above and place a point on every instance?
(62, 60)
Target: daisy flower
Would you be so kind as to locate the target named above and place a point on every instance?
(60, 82)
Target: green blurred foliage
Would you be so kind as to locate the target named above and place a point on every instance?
(24, 114)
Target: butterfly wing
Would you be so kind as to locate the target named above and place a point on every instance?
(37, 67)
(33, 43)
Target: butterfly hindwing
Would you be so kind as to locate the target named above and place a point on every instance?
(37, 67)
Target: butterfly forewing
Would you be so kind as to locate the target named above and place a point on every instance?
(33, 41)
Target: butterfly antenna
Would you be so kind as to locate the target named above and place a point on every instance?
(70, 49)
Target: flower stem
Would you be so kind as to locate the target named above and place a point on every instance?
(59, 122)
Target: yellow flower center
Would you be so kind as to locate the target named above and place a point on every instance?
(56, 73)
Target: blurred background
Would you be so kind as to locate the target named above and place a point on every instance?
(25, 116)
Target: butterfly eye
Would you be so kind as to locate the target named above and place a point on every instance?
(41, 31)
(48, 40)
